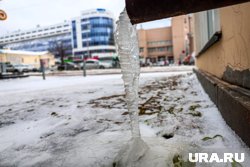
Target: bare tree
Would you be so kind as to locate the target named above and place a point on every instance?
(59, 48)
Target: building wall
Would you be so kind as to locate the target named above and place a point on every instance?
(181, 27)
(27, 59)
(229, 59)
(156, 44)
(178, 38)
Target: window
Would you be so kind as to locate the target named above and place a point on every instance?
(162, 49)
(213, 22)
(90, 62)
(207, 24)
(150, 50)
(170, 48)
(141, 50)
(167, 42)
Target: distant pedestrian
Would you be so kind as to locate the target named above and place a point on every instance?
(179, 63)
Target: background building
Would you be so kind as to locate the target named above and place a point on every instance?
(27, 57)
(93, 31)
(156, 44)
(170, 43)
(40, 39)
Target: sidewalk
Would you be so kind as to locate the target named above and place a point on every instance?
(84, 122)
(115, 71)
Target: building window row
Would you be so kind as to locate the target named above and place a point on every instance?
(161, 49)
(95, 51)
(166, 42)
(97, 43)
(32, 32)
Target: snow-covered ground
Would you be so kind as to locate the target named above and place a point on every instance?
(76, 121)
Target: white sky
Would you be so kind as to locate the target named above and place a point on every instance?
(26, 14)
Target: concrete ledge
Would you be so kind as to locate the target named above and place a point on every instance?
(232, 101)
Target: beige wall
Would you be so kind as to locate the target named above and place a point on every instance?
(233, 49)
(27, 59)
(142, 35)
(181, 26)
(155, 35)
(177, 34)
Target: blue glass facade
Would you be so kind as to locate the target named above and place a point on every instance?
(101, 31)
(44, 44)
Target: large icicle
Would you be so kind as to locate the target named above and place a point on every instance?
(127, 43)
(128, 48)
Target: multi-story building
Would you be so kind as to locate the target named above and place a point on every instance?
(169, 43)
(156, 44)
(39, 39)
(92, 31)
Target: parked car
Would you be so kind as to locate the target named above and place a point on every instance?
(104, 65)
(10, 68)
(163, 63)
(20, 68)
(96, 64)
(54, 68)
(31, 68)
(68, 66)
(188, 60)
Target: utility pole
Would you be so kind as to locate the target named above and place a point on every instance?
(88, 53)
(84, 66)
(42, 63)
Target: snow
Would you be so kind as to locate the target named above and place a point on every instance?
(76, 121)
(21, 52)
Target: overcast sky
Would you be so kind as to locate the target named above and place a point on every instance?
(26, 14)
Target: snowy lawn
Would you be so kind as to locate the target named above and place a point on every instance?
(76, 121)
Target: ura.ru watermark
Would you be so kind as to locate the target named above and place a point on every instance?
(214, 157)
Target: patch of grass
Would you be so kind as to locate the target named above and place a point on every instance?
(180, 110)
(178, 98)
(211, 138)
(194, 107)
(195, 114)
(179, 162)
(235, 164)
(146, 122)
(171, 110)
(166, 99)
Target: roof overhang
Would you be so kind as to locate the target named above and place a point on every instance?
(148, 10)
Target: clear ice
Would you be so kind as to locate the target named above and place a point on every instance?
(128, 50)
(127, 43)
